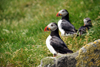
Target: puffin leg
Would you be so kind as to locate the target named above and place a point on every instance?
(54, 55)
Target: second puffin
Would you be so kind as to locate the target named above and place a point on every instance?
(65, 27)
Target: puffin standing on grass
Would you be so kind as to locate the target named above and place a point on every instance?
(54, 43)
(87, 25)
(65, 27)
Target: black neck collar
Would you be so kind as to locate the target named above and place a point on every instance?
(55, 33)
(88, 25)
(66, 17)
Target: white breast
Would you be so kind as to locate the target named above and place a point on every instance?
(62, 31)
(71, 35)
(60, 28)
(49, 46)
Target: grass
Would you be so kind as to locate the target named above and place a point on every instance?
(22, 39)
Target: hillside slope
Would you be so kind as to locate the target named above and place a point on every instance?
(22, 39)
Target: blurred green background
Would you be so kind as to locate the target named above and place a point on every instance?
(22, 23)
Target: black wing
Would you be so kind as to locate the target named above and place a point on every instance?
(59, 45)
(67, 26)
(82, 30)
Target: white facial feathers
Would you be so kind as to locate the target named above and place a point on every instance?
(52, 26)
(63, 12)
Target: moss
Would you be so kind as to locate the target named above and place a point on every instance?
(89, 55)
(48, 61)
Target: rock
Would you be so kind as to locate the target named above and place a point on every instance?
(67, 61)
(60, 61)
(48, 62)
(87, 56)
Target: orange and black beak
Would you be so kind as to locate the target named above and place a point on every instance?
(46, 29)
(58, 14)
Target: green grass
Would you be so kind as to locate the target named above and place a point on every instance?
(22, 23)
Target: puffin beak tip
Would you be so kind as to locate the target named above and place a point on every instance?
(45, 29)
(57, 15)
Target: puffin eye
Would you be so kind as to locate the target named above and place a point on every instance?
(63, 11)
(51, 24)
(88, 21)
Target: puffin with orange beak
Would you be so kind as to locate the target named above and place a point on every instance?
(53, 42)
(87, 25)
(64, 25)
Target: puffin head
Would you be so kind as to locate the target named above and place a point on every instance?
(62, 13)
(51, 27)
(87, 21)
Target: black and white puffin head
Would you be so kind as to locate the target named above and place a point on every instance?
(87, 25)
(62, 13)
(51, 27)
(87, 21)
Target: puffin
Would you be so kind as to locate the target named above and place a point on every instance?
(87, 26)
(64, 25)
(53, 42)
